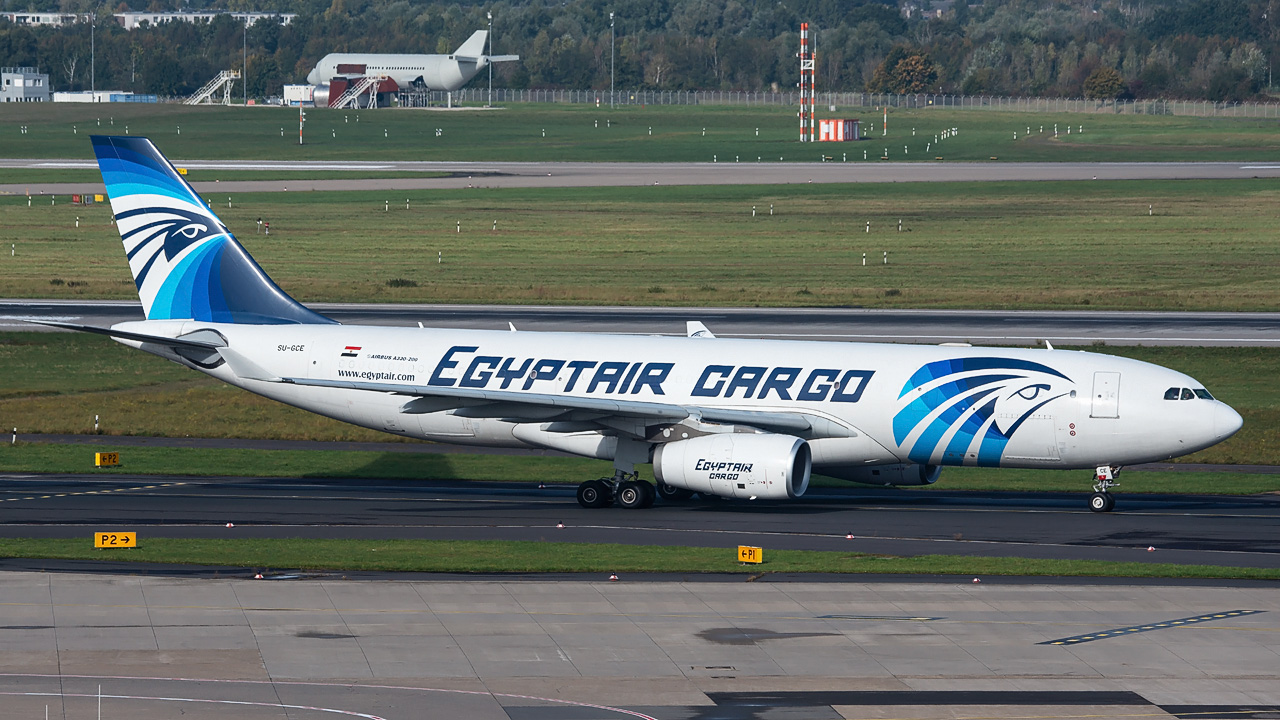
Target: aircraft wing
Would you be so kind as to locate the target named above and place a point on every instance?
(538, 407)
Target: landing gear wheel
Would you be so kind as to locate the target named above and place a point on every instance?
(649, 494)
(1101, 502)
(673, 494)
(631, 494)
(594, 494)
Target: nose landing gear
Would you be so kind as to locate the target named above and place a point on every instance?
(1101, 500)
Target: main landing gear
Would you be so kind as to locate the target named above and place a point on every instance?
(1105, 478)
(625, 489)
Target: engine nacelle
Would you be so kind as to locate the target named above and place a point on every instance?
(902, 474)
(767, 466)
(321, 95)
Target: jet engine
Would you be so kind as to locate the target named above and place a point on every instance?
(321, 95)
(767, 466)
(902, 474)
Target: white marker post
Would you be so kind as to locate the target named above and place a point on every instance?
(459, 226)
(864, 259)
(95, 424)
(886, 257)
(868, 226)
(439, 257)
(406, 203)
(77, 221)
(753, 211)
(386, 207)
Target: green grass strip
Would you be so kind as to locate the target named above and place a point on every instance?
(484, 556)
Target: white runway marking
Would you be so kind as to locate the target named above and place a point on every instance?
(303, 683)
(282, 706)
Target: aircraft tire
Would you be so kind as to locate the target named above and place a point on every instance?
(671, 493)
(650, 495)
(630, 495)
(593, 494)
(1101, 502)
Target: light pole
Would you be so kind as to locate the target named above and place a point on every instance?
(93, 51)
(611, 93)
(490, 58)
(244, 60)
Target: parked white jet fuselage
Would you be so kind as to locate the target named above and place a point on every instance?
(434, 72)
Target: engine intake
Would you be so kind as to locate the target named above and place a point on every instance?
(767, 466)
(903, 474)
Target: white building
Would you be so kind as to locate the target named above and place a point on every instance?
(102, 96)
(23, 84)
(42, 18)
(131, 20)
(295, 95)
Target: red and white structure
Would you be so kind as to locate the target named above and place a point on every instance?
(806, 85)
(837, 130)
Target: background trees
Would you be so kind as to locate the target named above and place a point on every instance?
(1215, 49)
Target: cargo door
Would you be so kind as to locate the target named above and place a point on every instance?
(1106, 395)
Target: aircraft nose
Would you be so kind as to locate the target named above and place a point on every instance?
(1226, 421)
(313, 77)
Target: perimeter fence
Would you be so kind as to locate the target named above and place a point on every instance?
(1193, 108)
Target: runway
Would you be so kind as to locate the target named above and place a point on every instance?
(725, 171)
(979, 327)
(1213, 530)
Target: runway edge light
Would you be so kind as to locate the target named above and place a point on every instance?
(748, 554)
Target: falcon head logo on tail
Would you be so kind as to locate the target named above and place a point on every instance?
(185, 262)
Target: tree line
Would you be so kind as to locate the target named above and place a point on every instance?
(1193, 49)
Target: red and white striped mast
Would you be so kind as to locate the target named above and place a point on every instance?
(807, 95)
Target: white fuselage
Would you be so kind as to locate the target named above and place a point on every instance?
(435, 72)
(875, 403)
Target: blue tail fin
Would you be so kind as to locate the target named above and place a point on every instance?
(186, 264)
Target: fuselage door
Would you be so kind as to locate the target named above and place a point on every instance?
(1106, 395)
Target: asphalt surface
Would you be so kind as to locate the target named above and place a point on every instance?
(723, 172)
(1235, 531)
(990, 327)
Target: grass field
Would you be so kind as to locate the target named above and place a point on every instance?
(523, 557)
(532, 132)
(57, 382)
(1131, 245)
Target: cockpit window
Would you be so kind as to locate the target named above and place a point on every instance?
(1187, 394)
(1203, 394)
(1172, 393)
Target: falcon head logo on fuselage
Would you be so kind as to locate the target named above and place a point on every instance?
(964, 411)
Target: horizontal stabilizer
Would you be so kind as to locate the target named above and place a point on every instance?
(137, 337)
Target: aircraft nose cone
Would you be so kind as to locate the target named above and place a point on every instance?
(313, 77)
(1226, 421)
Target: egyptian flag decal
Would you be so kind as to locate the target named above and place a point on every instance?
(351, 351)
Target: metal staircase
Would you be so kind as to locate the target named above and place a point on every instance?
(352, 95)
(225, 80)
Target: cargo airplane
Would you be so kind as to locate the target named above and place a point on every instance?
(737, 418)
(432, 72)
